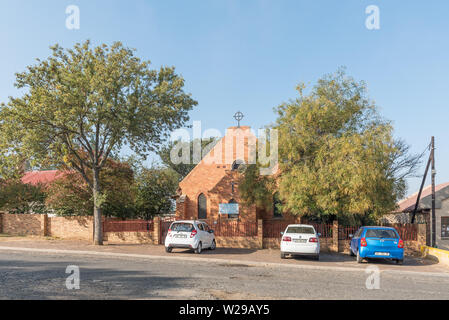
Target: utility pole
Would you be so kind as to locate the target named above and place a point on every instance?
(433, 232)
(430, 163)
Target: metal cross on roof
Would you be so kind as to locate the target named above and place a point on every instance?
(239, 117)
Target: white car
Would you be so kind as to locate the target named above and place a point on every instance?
(300, 239)
(190, 234)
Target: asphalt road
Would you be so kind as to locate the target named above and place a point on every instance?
(25, 275)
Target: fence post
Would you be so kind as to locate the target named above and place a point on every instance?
(422, 235)
(335, 236)
(156, 230)
(44, 224)
(260, 233)
(1, 222)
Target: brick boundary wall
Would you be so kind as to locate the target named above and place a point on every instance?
(22, 224)
(81, 228)
(130, 237)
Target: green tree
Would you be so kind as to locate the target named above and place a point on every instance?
(154, 189)
(18, 197)
(183, 169)
(338, 157)
(92, 101)
(71, 196)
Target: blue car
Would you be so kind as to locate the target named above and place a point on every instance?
(377, 243)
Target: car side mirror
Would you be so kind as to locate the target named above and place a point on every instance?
(211, 231)
(319, 234)
(282, 233)
(351, 236)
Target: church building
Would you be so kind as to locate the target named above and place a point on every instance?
(210, 190)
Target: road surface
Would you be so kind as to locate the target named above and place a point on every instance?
(27, 275)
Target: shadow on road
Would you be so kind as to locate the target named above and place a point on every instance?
(42, 280)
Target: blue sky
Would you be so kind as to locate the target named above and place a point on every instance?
(249, 55)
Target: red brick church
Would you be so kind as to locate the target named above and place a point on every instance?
(211, 188)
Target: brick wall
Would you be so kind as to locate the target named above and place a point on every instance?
(130, 237)
(77, 228)
(22, 224)
(81, 228)
(238, 242)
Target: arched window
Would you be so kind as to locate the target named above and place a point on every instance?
(237, 164)
(202, 207)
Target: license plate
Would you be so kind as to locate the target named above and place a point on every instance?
(179, 236)
(300, 240)
(382, 254)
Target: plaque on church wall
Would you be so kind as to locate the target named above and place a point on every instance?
(228, 208)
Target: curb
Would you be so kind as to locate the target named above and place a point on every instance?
(220, 261)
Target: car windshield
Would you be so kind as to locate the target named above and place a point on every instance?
(307, 230)
(381, 233)
(182, 226)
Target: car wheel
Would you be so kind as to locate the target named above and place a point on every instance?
(400, 262)
(351, 253)
(359, 258)
(317, 257)
(213, 246)
(199, 248)
(283, 255)
(168, 249)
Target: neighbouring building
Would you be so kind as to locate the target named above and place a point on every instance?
(41, 177)
(406, 207)
(210, 190)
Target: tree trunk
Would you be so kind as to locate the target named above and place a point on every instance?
(98, 225)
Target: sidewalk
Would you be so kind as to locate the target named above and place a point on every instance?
(266, 257)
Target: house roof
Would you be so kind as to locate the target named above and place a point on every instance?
(441, 193)
(41, 177)
(219, 159)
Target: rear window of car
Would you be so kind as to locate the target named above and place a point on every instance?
(307, 230)
(381, 233)
(182, 226)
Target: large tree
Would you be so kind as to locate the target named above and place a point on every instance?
(338, 156)
(70, 195)
(154, 191)
(91, 100)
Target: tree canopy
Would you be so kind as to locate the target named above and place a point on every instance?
(154, 189)
(338, 157)
(91, 101)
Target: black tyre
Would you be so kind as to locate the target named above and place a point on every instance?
(359, 258)
(199, 249)
(283, 255)
(400, 262)
(317, 257)
(213, 246)
(168, 249)
(351, 253)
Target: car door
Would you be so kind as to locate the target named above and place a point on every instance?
(355, 241)
(203, 235)
(210, 236)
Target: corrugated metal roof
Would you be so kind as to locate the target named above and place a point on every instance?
(408, 204)
(41, 177)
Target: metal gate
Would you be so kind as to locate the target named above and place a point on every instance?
(164, 230)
